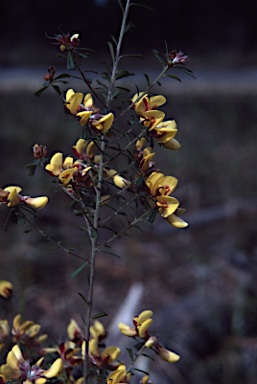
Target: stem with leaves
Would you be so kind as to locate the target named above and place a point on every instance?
(93, 234)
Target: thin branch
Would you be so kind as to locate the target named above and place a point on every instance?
(124, 229)
(86, 81)
(42, 233)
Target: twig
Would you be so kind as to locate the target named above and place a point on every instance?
(86, 81)
(124, 229)
(42, 233)
(98, 198)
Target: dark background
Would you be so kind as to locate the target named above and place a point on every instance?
(201, 281)
(223, 30)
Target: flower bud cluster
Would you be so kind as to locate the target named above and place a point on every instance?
(66, 42)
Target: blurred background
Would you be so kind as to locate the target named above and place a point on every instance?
(201, 281)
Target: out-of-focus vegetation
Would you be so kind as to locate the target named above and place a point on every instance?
(221, 30)
(200, 281)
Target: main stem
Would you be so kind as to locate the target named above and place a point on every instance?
(98, 197)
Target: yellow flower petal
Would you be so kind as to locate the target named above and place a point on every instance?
(140, 143)
(145, 315)
(55, 369)
(56, 164)
(144, 327)
(167, 355)
(112, 353)
(80, 146)
(13, 198)
(167, 185)
(69, 93)
(176, 221)
(74, 102)
(5, 290)
(172, 144)
(68, 162)
(73, 329)
(66, 175)
(84, 117)
(126, 330)
(16, 321)
(157, 101)
(88, 100)
(120, 181)
(93, 347)
(90, 150)
(11, 188)
(105, 123)
(37, 202)
(41, 380)
(167, 205)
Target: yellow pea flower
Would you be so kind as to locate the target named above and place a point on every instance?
(158, 184)
(5, 289)
(167, 355)
(167, 205)
(172, 144)
(104, 123)
(175, 220)
(18, 368)
(116, 376)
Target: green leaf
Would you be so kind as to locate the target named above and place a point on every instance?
(115, 41)
(102, 84)
(93, 234)
(70, 61)
(132, 55)
(148, 356)
(78, 212)
(28, 230)
(116, 93)
(111, 50)
(140, 370)
(83, 229)
(147, 79)
(62, 76)
(106, 66)
(157, 55)
(143, 6)
(110, 253)
(130, 354)
(82, 297)
(121, 6)
(83, 319)
(123, 73)
(124, 89)
(78, 270)
(98, 315)
(166, 47)
(173, 77)
(139, 345)
(41, 90)
(57, 89)
(152, 215)
(106, 76)
(85, 55)
(127, 28)
(31, 168)
(8, 217)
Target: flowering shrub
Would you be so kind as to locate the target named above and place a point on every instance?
(112, 171)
